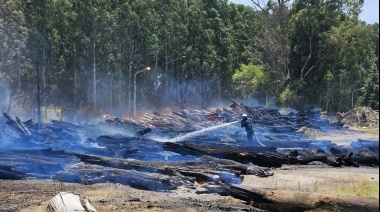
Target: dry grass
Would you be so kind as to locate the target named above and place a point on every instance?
(362, 187)
(366, 130)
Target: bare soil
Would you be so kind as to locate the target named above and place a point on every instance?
(33, 195)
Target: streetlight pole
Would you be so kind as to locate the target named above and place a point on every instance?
(134, 95)
(166, 70)
(352, 96)
(175, 59)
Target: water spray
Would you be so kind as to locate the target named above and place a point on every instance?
(192, 134)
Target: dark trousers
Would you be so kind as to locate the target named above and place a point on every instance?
(250, 135)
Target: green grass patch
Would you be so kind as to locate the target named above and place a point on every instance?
(362, 187)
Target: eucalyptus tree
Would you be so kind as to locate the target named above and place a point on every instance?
(13, 35)
(353, 40)
(167, 39)
(270, 47)
(325, 37)
(244, 27)
(38, 19)
(233, 26)
(129, 34)
(203, 57)
(63, 53)
(370, 95)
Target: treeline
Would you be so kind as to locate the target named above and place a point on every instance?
(95, 53)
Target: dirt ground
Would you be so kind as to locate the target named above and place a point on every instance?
(33, 195)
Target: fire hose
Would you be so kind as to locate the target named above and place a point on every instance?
(254, 135)
(256, 138)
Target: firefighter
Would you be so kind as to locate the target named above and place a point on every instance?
(247, 124)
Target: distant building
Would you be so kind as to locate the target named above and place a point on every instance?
(51, 113)
(64, 114)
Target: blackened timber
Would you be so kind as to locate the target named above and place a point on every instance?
(266, 159)
(21, 163)
(144, 131)
(244, 156)
(201, 173)
(293, 201)
(90, 174)
(365, 157)
(22, 125)
(16, 124)
(8, 175)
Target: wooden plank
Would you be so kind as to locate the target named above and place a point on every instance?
(22, 125)
(65, 202)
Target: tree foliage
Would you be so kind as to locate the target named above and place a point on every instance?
(87, 54)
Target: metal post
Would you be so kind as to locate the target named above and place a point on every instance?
(134, 94)
(352, 96)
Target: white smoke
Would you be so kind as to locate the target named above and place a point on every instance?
(4, 95)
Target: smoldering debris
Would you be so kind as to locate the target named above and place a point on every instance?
(146, 154)
(360, 117)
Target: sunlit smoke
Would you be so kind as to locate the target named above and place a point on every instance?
(4, 95)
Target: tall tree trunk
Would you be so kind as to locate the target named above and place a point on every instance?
(43, 69)
(120, 81)
(327, 97)
(75, 88)
(38, 95)
(75, 78)
(130, 87)
(284, 44)
(94, 72)
(111, 95)
(19, 69)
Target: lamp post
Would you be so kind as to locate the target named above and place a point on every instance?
(176, 59)
(166, 69)
(167, 63)
(352, 96)
(134, 95)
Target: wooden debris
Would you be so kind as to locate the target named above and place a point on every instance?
(144, 131)
(189, 171)
(264, 159)
(68, 202)
(17, 124)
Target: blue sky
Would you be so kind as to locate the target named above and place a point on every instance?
(370, 10)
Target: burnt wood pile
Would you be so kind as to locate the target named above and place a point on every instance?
(164, 151)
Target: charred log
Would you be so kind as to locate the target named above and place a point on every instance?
(244, 156)
(89, 174)
(21, 163)
(144, 131)
(22, 126)
(17, 124)
(365, 157)
(9, 175)
(200, 173)
(284, 200)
